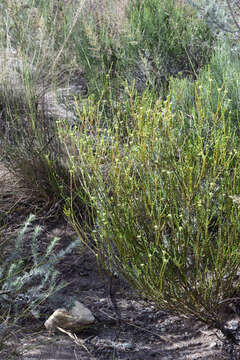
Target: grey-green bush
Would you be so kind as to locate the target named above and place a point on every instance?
(27, 280)
(222, 17)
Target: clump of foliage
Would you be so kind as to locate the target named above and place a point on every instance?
(33, 62)
(155, 42)
(169, 38)
(26, 281)
(31, 150)
(222, 16)
(98, 38)
(221, 75)
(166, 198)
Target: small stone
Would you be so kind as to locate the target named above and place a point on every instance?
(83, 313)
(78, 318)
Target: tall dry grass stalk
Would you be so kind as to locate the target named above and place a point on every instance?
(76, 17)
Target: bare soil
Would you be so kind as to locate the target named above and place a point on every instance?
(126, 328)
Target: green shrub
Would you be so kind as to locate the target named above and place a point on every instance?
(166, 205)
(155, 42)
(220, 76)
(98, 42)
(169, 37)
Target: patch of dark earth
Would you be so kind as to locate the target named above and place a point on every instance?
(127, 327)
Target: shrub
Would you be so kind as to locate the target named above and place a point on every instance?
(221, 75)
(155, 42)
(167, 206)
(99, 40)
(33, 57)
(32, 152)
(26, 281)
(222, 16)
(169, 38)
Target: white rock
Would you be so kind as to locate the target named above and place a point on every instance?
(74, 320)
(83, 313)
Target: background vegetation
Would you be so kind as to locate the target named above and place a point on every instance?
(147, 172)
